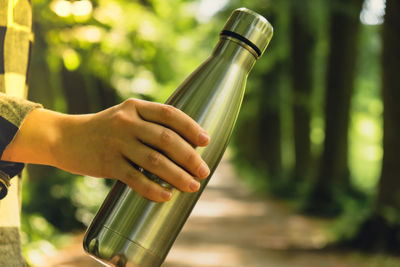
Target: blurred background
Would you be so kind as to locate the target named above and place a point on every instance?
(311, 133)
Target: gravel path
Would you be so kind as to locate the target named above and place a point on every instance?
(230, 227)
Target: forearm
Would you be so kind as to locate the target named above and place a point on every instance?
(111, 143)
(38, 138)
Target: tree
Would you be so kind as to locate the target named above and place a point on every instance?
(302, 48)
(389, 187)
(270, 122)
(258, 135)
(381, 230)
(334, 171)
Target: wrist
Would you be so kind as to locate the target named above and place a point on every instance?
(36, 139)
(68, 141)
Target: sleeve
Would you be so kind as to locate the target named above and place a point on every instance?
(12, 113)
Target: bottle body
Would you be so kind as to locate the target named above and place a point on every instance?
(130, 229)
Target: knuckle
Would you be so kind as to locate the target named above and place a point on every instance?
(130, 102)
(154, 158)
(191, 158)
(131, 178)
(168, 112)
(130, 105)
(124, 119)
(120, 117)
(166, 136)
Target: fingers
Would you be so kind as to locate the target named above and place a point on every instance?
(175, 119)
(161, 166)
(162, 143)
(175, 147)
(141, 184)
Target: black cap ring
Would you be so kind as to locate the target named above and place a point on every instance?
(243, 39)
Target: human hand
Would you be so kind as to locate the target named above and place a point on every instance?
(156, 137)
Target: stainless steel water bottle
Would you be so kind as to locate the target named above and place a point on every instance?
(130, 230)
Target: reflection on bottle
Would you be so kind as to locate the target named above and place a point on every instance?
(130, 230)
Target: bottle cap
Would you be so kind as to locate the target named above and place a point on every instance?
(250, 28)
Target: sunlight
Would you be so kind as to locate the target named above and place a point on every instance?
(61, 7)
(38, 255)
(367, 128)
(65, 8)
(227, 207)
(107, 13)
(210, 255)
(373, 12)
(372, 153)
(207, 8)
(91, 34)
(147, 31)
(82, 8)
(143, 83)
(317, 133)
(71, 59)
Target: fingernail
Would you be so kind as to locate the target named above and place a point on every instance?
(194, 185)
(203, 138)
(204, 171)
(166, 195)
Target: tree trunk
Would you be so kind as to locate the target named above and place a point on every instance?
(334, 170)
(258, 132)
(269, 122)
(389, 186)
(108, 95)
(381, 230)
(269, 103)
(77, 97)
(302, 47)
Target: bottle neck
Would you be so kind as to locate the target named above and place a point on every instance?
(236, 52)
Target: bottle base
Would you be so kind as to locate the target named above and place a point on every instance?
(112, 249)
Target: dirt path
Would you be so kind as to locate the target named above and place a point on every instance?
(229, 227)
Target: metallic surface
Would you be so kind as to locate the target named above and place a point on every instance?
(250, 25)
(130, 230)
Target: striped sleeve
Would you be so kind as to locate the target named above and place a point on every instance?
(12, 113)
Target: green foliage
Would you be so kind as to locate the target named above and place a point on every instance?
(138, 49)
(366, 121)
(50, 195)
(40, 238)
(114, 50)
(365, 133)
(145, 49)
